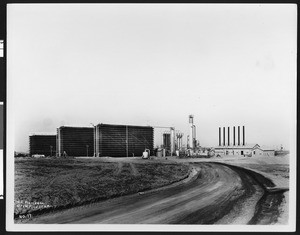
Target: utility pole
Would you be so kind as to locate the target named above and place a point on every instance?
(51, 150)
(95, 138)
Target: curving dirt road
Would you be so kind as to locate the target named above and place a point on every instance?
(219, 194)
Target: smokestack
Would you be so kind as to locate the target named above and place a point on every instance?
(220, 136)
(238, 135)
(228, 136)
(223, 136)
(243, 135)
(234, 136)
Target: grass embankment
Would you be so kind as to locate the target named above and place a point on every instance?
(45, 184)
(274, 169)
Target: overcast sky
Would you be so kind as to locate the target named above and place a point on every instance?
(153, 64)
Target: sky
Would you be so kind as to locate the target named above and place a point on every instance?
(153, 64)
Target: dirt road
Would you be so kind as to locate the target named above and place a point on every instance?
(213, 196)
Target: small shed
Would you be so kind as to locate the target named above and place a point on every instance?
(257, 150)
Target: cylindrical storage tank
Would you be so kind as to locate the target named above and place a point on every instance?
(145, 154)
(159, 153)
(172, 140)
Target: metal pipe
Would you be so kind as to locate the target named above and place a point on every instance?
(57, 152)
(94, 143)
(59, 142)
(127, 141)
(97, 140)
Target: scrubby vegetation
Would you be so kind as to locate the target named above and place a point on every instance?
(50, 183)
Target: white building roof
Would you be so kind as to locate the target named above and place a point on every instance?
(76, 126)
(42, 133)
(266, 148)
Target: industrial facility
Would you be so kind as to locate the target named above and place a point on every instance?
(75, 141)
(130, 141)
(113, 141)
(43, 144)
(122, 140)
(100, 140)
(236, 147)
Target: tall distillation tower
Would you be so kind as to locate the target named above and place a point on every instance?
(192, 137)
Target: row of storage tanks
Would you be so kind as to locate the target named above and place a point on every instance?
(100, 140)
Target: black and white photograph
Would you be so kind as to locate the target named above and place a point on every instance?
(151, 117)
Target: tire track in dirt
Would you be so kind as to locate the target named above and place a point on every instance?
(119, 168)
(134, 171)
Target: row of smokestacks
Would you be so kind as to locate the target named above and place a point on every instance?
(228, 136)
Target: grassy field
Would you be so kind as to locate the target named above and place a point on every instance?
(274, 169)
(50, 183)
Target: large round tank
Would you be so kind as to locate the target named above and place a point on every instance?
(159, 153)
(145, 154)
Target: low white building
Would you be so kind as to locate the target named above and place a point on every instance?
(262, 150)
(245, 150)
